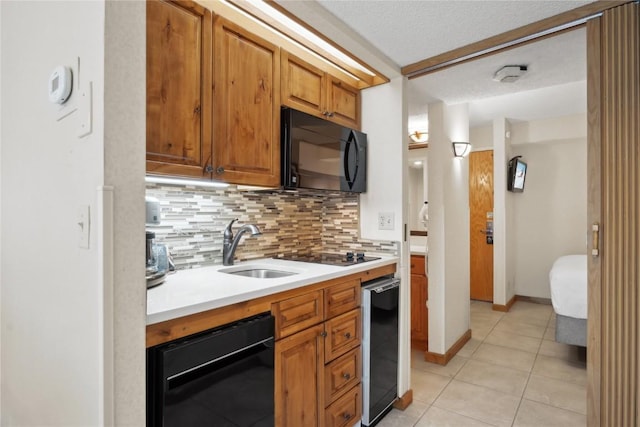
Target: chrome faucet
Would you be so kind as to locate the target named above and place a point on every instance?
(230, 243)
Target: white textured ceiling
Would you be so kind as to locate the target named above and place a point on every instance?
(409, 31)
(554, 84)
(402, 32)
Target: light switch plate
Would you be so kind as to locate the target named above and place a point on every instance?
(85, 110)
(385, 220)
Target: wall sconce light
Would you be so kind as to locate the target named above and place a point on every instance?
(419, 137)
(461, 149)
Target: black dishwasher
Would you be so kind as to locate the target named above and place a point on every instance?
(220, 377)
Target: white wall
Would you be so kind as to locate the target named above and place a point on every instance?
(481, 138)
(551, 214)
(51, 296)
(522, 258)
(58, 300)
(384, 120)
(503, 235)
(448, 260)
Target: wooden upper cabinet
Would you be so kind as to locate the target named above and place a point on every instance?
(303, 85)
(246, 107)
(309, 89)
(179, 65)
(343, 103)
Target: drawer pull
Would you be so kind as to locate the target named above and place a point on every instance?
(323, 334)
(346, 416)
(347, 335)
(346, 376)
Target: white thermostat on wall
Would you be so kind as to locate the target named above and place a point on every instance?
(60, 83)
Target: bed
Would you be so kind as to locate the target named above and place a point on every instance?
(568, 281)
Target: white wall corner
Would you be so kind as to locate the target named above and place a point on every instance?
(124, 116)
(448, 227)
(384, 120)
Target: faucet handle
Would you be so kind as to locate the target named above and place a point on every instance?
(228, 234)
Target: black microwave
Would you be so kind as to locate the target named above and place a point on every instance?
(321, 155)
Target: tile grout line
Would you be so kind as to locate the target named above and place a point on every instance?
(524, 391)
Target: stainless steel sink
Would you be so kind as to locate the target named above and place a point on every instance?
(257, 271)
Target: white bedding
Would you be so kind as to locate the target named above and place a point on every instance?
(568, 278)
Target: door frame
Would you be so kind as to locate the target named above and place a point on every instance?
(595, 81)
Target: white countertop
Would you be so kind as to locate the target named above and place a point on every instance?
(192, 291)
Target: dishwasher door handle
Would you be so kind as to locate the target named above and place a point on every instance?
(387, 286)
(209, 362)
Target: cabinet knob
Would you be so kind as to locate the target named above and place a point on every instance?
(323, 334)
(208, 169)
(329, 114)
(346, 416)
(219, 170)
(346, 376)
(347, 335)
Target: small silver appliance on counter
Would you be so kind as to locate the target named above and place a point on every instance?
(158, 260)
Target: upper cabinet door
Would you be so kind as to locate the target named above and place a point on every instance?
(303, 85)
(310, 89)
(179, 63)
(343, 103)
(247, 107)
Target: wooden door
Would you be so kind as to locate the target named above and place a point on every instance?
(343, 103)
(299, 378)
(481, 224)
(179, 60)
(303, 85)
(247, 107)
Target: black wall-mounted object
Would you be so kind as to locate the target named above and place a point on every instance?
(516, 174)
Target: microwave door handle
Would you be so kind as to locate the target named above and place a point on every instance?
(352, 140)
(347, 148)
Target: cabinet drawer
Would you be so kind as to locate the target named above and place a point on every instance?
(417, 265)
(342, 374)
(297, 313)
(346, 411)
(343, 334)
(341, 298)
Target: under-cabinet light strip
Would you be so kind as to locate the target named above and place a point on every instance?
(179, 181)
(278, 16)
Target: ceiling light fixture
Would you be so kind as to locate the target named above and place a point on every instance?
(419, 137)
(509, 73)
(461, 149)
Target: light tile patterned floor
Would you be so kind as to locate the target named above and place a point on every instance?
(511, 373)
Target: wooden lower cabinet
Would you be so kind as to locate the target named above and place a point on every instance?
(419, 297)
(343, 334)
(299, 376)
(342, 374)
(318, 369)
(345, 411)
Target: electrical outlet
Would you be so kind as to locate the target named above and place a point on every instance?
(385, 221)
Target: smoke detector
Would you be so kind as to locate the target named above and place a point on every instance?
(509, 73)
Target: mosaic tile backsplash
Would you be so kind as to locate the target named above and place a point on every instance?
(193, 220)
